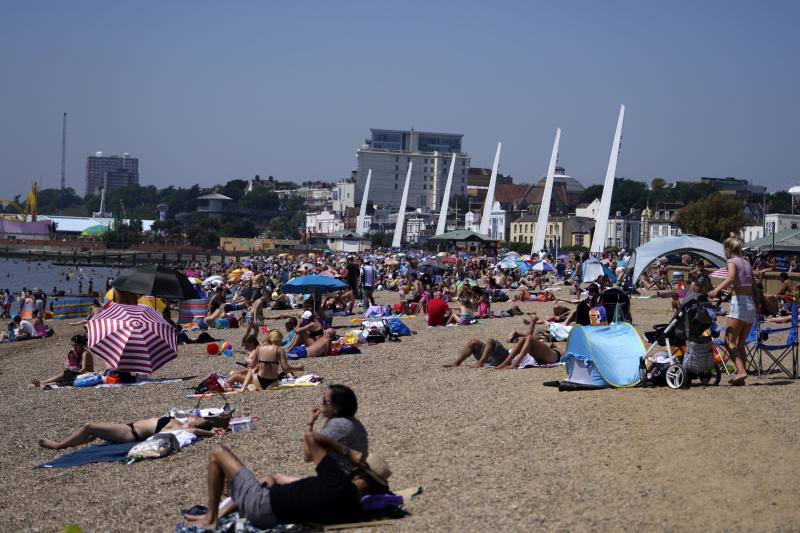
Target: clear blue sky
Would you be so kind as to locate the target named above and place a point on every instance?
(206, 91)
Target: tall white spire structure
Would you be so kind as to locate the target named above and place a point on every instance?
(440, 227)
(363, 211)
(401, 215)
(601, 226)
(487, 206)
(544, 208)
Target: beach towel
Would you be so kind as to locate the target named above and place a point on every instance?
(97, 453)
(234, 523)
(308, 380)
(140, 381)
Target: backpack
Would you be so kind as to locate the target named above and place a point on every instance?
(499, 295)
(398, 328)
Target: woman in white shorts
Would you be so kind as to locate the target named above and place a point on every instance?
(744, 306)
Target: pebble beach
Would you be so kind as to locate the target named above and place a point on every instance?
(493, 450)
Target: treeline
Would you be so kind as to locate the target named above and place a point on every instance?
(259, 212)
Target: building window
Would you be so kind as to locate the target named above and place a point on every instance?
(426, 160)
(396, 158)
(463, 163)
(395, 176)
(424, 187)
(395, 186)
(397, 167)
(463, 172)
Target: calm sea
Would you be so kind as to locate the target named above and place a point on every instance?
(16, 274)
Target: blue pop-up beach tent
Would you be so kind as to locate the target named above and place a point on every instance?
(603, 356)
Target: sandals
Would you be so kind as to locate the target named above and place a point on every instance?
(737, 382)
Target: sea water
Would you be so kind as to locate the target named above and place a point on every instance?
(18, 273)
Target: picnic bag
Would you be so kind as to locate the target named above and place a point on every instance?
(159, 445)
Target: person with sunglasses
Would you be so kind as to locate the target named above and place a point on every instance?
(338, 407)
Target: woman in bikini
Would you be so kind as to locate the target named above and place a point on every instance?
(269, 360)
(133, 432)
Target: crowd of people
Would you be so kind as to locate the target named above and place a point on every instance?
(455, 291)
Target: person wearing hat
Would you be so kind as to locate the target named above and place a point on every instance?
(329, 497)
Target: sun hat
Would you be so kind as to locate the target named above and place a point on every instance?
(306, 315)
(275, 295)
(378, 469)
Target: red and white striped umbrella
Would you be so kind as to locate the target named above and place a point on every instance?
(134, 338)
(720, 273)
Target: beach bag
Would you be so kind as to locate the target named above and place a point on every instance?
(699, 357)
(88, 380)
(212, 383)
(374, 331)
(159, 445)
(398, 328)
(120, 376)
(499, 295)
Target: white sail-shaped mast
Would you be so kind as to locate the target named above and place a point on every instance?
(440, 227)
(362, 214)
(601, 226)
(401, 214)
(544, 208)
(487, 206)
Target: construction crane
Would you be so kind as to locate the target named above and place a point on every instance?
(31, 208)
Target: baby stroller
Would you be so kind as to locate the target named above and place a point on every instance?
(693, 357)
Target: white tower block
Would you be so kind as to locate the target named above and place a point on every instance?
(401, 215)
(440, 227)
(487, 206)
(601, 226)
(362, 213)
(544, 208)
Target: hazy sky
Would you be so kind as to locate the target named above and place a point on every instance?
(203, 92)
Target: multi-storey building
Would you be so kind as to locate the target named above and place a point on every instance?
(388, 153)
(110, 172)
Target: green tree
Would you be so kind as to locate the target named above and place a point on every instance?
(234, 189)
(296, 223)
(278, 227)
(238, 227)
(123, 236)
(49, 200)
(780, 202)
(658, 183)
(261, 200)
(715, 216)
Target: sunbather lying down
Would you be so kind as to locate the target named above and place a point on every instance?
(132, 432)
(527, 351)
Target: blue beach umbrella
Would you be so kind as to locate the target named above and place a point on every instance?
(314, 284)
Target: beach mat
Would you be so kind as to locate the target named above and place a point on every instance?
(239, 391)
(97, 453)
(234, 523)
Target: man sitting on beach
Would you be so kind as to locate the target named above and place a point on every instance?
(329, 497)
(438, 310)
(24, 329)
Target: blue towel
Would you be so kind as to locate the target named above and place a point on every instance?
(98, 453)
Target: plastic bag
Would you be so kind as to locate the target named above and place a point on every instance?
(159, 445)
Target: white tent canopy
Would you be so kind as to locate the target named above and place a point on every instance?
(647, 254)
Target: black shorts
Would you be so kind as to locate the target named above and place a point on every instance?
(69, 376)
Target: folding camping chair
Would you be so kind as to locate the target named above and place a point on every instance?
(779, 353)
(751, 362)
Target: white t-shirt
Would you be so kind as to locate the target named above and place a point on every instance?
(26, 327)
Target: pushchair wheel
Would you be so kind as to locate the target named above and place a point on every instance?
(712, 377)
(675, 376)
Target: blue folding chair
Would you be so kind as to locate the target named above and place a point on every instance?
(751, 364)
(780, 346)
